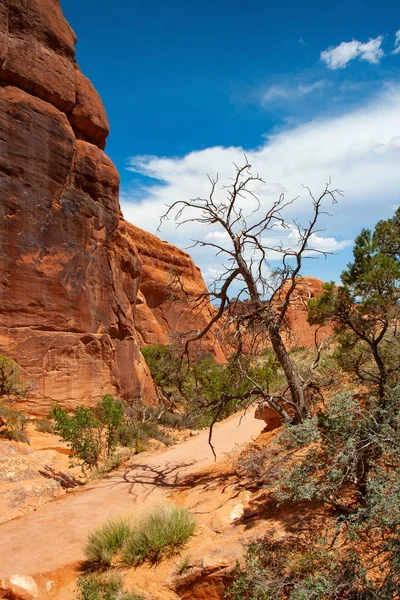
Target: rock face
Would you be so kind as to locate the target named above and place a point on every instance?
(302, 333)
(81, 290)
(162, 310)
(69, 273)
(72, 271)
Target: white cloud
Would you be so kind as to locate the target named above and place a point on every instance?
(283, 92)
(397, 42)
(339, 56)
(359, 151)
(392, 145)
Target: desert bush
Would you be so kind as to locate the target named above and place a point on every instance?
(14, 423)
(90, 434)
(108, 586)
(294, 570)
(136, 435)
(164, 530)
(110, 412)
(11, 381)
(205, 390)
(104, 543)
(44, 426)
(82, 432)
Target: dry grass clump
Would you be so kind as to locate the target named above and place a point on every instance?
(104, 543)
(162, 531)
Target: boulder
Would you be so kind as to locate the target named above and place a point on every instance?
(19, 587)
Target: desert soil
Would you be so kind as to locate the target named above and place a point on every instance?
(52, 537)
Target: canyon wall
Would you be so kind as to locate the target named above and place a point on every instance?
(81, 290)
(71, 276)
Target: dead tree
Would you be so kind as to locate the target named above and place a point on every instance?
(269, 291)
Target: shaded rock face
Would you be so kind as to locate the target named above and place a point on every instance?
(162, 310)
(69, 273)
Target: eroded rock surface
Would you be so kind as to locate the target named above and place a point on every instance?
(81, 290)
(162, 309)
(69, 276)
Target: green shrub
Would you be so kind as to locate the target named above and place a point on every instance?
(162, 531)
(294, 570)
(136, 435)
(44, 426)
(82, 432)
(205, 390)
(104, 543)
(90, 434)
(11, 381)
(103, 587)
(110, 413)
(14, 424)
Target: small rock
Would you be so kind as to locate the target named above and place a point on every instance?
(20, 587)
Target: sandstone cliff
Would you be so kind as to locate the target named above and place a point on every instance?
(69, 276)
(80, 289)
(162, 310)
(70, 270)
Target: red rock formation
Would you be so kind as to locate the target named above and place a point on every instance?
(72, 272)
(302, 333)
(161, 313)
(69, 274)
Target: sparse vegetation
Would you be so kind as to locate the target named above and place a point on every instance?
(44, 426)
(104, 543)
(162, 531)
(109, 586)
(94, 434)
(183, 565)
(12, 424)
(82, 431)
(294, 570)
(346, 454)
(204, 390)
(12, 387)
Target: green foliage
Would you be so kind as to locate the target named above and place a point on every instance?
(294, 570)
(110, 413)
(104, 543)
(162, 531)
(103, 587)
(365, 308)
(136, 435)
(183, 565)
(344, 446)
(90, 434)
(82, 432)
(208, 391)
(14, 424)
(11, 380)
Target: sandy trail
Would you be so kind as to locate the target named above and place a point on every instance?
(53, 536)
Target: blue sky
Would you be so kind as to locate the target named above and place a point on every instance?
(309, 90)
